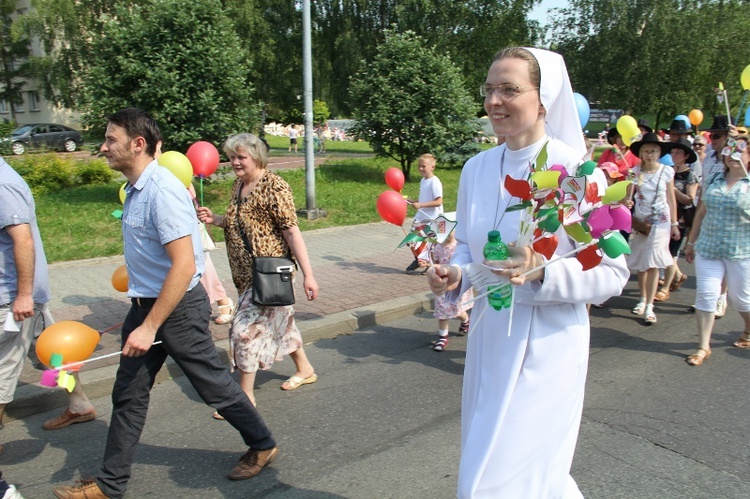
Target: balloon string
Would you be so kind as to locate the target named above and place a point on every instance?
(77, 365)
(201, 177)
(742, 103)
(111, 328)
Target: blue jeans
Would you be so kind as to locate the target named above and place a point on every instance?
(186, 338)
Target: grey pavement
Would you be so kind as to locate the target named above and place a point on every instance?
(358, 268)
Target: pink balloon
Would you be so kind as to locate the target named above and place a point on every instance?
(204, 157)
(621, 218)
(392, 207)
(394, 177)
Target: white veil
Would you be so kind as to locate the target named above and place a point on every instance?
(557, 98)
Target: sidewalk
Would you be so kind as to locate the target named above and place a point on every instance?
(359, 271)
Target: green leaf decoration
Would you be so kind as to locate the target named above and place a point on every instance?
(541, 159)
(586, 168)
(614, 245)
(519, 207)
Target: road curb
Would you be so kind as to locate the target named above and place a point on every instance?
(34, 399)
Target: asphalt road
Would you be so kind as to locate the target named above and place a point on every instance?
(383, 421)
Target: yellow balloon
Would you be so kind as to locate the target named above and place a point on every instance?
(745, 78)
(629, 139)
(179, 165)
(627, 127)
(122, 193)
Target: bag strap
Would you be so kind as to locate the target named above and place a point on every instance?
(245, 240)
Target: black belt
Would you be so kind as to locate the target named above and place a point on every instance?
(143, 302)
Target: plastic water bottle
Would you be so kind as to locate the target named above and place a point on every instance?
(500, 296)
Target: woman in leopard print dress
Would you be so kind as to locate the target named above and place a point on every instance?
(262, 207)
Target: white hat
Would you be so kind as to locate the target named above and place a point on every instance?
(557, 98)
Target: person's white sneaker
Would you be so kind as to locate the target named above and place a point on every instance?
(721, 307)
(12, 493)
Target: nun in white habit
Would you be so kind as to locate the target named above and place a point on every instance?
(524, 378)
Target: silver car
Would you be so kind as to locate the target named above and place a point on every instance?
(44, 136)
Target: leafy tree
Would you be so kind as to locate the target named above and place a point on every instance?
(14, 53)
(345, 31)
(270, 32)
(320, 112)
(411, 100)
(178, 59)
(639, 54)
(65, 30)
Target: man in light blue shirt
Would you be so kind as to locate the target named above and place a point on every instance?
(164, 259)
(24, 293)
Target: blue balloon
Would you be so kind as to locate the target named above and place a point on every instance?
(667, 159)
(747, 116)
(584, 111)
(685, 119)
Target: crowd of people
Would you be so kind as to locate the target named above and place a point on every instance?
(689, 197)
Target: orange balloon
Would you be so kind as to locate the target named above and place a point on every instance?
(696, 117)
(73, 340)
(120, 278)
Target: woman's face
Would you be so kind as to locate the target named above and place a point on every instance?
(242, 163)
(520, 119)
(678, 156)
(650, 153)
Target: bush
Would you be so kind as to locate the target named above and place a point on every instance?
(94, 171)
(51, 172)
(44, 172)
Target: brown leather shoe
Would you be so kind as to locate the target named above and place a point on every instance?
(68, 418)
(84, 490)
(253, 463)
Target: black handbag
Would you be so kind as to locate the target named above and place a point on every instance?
(272, 276)
(272, 281)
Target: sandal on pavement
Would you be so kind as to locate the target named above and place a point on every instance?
(678, 282)
(463, 328)
(697, 358)
(440, 344)
(295, 382)
(226, 312)
(640, 308)
(743, 341)
(650, 318)
(661, 295)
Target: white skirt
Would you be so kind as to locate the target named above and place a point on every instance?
(652, 251)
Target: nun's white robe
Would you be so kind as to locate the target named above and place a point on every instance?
(523, 392)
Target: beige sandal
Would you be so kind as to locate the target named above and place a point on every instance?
(698, 357)
(743, 341)
(226, 313)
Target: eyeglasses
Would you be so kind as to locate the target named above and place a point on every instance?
(506, 91)
(716, 136)
(699, 145)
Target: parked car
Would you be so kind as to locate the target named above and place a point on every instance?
(44, 136)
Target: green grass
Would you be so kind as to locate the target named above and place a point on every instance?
(76, 223)
(281, 144)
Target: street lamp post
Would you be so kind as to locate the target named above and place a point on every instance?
(310, 212)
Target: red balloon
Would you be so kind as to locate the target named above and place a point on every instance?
(392, 207)
(204, 157)
(394, 177)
